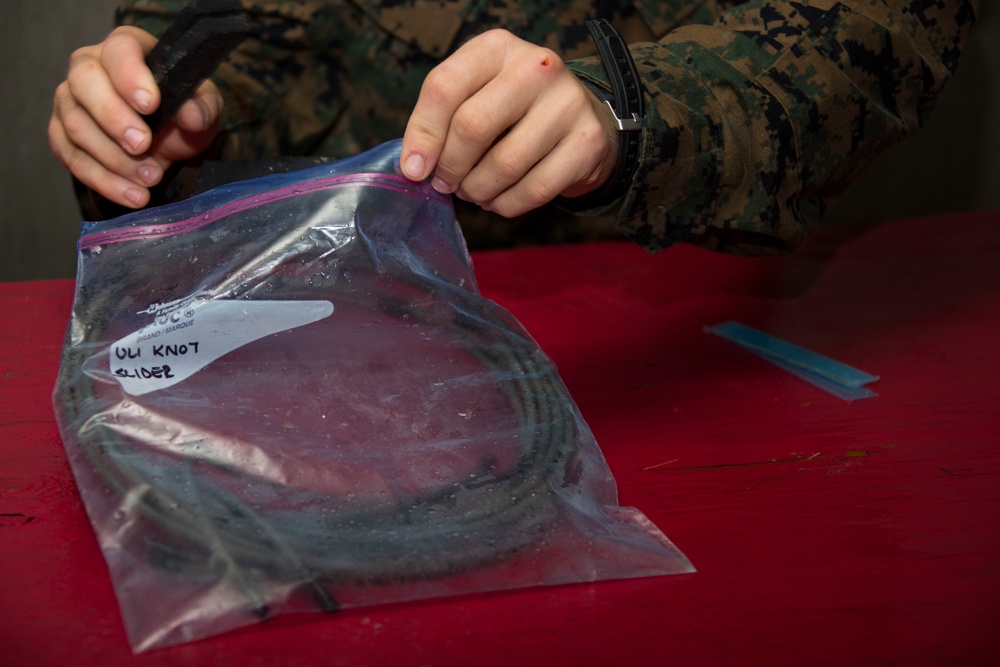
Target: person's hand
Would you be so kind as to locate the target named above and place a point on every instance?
(96, 130)
(504, 124)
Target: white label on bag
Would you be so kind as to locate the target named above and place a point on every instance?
(186, 337)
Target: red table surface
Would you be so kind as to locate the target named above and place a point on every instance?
(824, 532)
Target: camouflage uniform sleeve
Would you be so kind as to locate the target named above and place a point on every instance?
(756, 122)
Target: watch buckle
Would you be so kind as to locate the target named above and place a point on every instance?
(631, 124)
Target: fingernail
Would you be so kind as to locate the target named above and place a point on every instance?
(438, 184)
(414, 167)
(134, 138)
(134, 196)
(149, 174)
(142, 100)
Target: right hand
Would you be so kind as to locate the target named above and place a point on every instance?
(97, 132)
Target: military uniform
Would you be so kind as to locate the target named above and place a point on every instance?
(757, 113)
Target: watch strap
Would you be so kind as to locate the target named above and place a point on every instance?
(626, 109)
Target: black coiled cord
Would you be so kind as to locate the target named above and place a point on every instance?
(200, 530)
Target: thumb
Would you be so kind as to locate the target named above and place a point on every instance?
(201, 113)
(193, 128)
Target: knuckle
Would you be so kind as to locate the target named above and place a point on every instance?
(81, 73)
(472, 191)
(549, 53)
(509, 164)
(81, 55)
(121, 32)
(526, 197)
(441, 83)
(107, 116)
(497, 37)
(74, 121)
(482, 187)
(592, 135)
(550, 58)
(471, 126)
(60, 96)
(77, 162)
(544, 65)
(536, 194)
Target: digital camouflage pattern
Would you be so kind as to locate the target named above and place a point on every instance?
(758, 113)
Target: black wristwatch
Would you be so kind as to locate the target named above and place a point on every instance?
(626, 109)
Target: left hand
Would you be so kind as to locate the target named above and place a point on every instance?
(504, 124)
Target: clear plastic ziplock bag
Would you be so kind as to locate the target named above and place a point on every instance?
(287, 395)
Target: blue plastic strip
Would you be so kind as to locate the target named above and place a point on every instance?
(829, 386)
(839, 379)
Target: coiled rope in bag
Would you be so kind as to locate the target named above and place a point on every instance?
(202, 530)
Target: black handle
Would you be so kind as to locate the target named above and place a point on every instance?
(193, 46)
